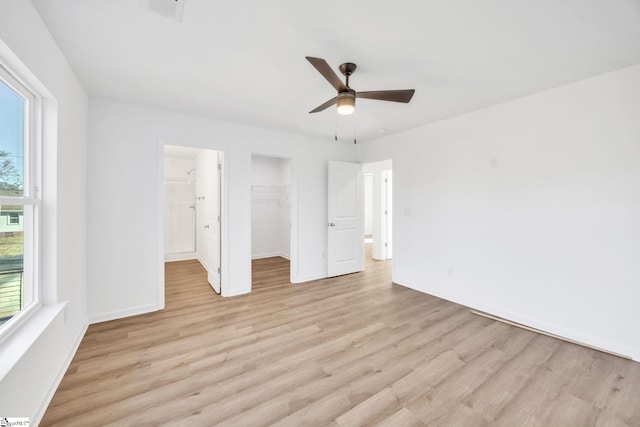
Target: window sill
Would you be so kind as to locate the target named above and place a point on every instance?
(17, 344)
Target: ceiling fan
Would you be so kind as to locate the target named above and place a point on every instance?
(346, 98)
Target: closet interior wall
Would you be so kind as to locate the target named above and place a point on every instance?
(179, 208)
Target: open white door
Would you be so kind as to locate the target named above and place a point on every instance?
(208, 215)
(346, 219)
(214, 231)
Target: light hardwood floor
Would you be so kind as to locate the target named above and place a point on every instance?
(348, 351)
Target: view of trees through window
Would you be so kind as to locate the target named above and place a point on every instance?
(12, 111)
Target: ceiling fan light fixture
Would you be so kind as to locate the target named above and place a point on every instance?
(346, 103)
(346, 98)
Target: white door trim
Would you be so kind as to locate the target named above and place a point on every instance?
(387, 214)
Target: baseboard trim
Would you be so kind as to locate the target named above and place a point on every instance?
(114, 315)
(556, 331)
(236, 292)
(54, 387)
(202, 263)
(185, 256)
(549, 334)
(271, 255)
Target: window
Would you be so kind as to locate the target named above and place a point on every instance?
(19, 115)
(13, 218)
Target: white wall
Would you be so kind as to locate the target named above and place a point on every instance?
(34, 359)
(528, 209)
(270, 207)
(124, 149)
(177, 168)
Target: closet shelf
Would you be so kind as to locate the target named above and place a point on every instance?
(270, 194)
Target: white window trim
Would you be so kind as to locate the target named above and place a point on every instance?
(30, 199)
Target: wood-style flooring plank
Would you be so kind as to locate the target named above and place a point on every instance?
(346, 351)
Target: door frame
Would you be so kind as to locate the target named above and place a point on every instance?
(387, 214)
(293, 205)
(224, 210)
(380, 170)
(368, 207)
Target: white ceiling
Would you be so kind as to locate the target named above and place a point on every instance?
(244, 60)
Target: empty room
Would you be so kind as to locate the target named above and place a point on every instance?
(408, 213)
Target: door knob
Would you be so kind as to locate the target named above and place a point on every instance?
(206, 226)
(331, 224)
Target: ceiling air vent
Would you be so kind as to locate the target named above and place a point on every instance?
(169, 8)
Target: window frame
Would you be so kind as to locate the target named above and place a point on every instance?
(30, 199)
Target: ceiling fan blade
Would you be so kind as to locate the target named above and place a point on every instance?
(324, 69)
(388, 95)
(324, 106)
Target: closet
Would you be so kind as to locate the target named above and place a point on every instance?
(270, 207)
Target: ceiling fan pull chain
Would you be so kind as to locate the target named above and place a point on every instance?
(355, 127)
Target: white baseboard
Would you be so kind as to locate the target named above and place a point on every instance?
(271, 255)
(184, 256)
(236, 292)
(561, 332)
(119, 314)
(202, 263)
(63, 370)
(576, 337)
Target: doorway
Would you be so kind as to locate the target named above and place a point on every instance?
(192, 194)
(378, 209)
(271, 214)
(368, 213)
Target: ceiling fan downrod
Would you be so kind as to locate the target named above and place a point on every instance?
(347, 69)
